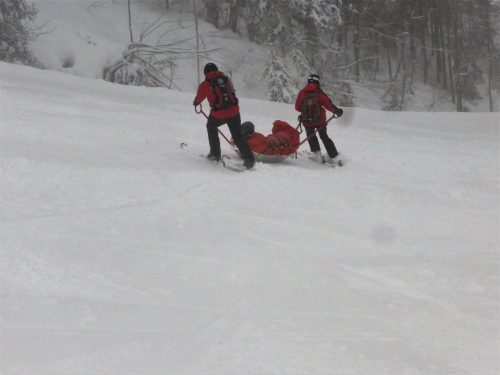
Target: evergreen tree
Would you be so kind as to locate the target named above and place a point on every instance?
(281, 87)
(14, 34)
(448, 44)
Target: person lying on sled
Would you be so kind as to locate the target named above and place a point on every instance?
(284, 139)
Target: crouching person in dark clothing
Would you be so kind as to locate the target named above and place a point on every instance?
(219, 91)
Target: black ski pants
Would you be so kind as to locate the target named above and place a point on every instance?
(234, 125)
(327, 141)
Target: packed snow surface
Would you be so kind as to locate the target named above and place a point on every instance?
(121, 254)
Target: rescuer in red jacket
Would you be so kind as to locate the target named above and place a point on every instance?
(312, 102)
(219, 91)
(284, 139)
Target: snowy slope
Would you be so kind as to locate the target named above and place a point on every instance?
(88, 36)
(122, 255)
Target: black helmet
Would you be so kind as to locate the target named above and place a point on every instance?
(313, 78)
(247, 129)
(210, 67)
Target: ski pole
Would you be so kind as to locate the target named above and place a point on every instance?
(221, 133)
(200, 110)
(331, 118)
(310, 136)
(299, 126)
(316, 130)
(204, 114)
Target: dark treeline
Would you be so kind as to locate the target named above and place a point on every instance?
(387, 46)
(449, 44)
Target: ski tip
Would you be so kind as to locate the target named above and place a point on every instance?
(182, 145)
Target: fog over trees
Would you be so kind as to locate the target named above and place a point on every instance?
(388, 46)
(390, 43)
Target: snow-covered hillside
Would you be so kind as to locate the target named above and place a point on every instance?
(88, 36)
(84, 37)
(122, 255)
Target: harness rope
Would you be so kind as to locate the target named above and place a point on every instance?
(200, 111)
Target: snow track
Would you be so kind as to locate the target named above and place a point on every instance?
(119, 255)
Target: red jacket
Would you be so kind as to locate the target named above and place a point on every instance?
(324, 100)
(284, 140)
(205, 92)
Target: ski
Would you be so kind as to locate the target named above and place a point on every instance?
(321, 159)
(224, 162)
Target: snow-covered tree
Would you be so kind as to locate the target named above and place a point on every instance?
(150, 58)
(137, 70)
(294, 29)
(14, 33)
(281, 86)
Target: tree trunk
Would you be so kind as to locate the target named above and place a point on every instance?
(436, 41)
(458, 75)
(130, 22)
(490, 69)
(197, 42)
(234, 16)
(448, 43)
(356, 45)
(423, 41)
(490, 33)
(389, 63)
(212, 12)
(346, 53)
(442, 53)
(413, 50)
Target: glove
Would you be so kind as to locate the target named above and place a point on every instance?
(194, 103)
(338, 112)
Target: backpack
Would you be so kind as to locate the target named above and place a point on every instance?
(311, 108)
(223, 91)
